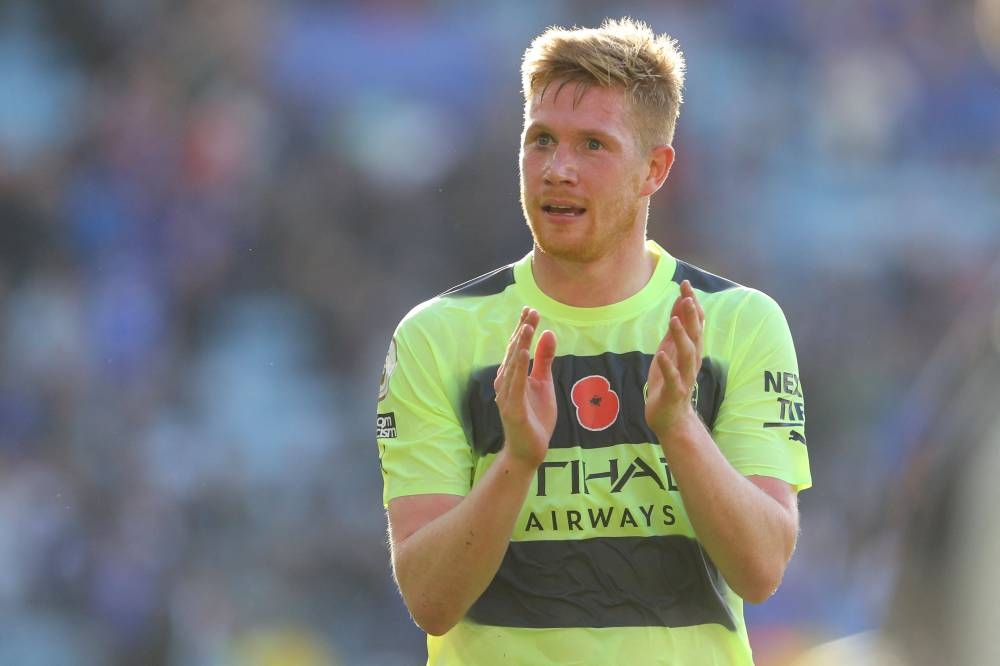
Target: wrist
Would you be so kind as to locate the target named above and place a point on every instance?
(680, 429)
(511, 463)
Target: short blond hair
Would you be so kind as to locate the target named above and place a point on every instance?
(623, 54)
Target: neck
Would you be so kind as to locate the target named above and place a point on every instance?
(591, 284)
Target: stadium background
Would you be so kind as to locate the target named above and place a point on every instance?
(212, 215)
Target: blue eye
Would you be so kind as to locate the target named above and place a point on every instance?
(594, 144)
(543, 140)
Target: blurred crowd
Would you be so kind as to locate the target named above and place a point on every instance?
(213, 214)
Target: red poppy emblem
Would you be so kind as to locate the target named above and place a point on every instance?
(596, 404)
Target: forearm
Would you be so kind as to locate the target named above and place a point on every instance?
(748, 534)
(443, 567)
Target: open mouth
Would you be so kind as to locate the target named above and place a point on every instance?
(563, 211)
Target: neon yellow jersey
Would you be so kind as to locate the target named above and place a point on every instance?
(603, 566)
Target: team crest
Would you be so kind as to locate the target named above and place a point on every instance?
(597, 405)
(387, 370)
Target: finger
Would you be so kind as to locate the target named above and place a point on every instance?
(531, 316)
(686, 351)
(700, 341)
(687, 291)
(514, 336)
(508, 352)
(675, 309)
(519, 368)
(508, 370)
(666, 343)
(505, 362)
(526, 332)
(512, 341)
(689, 317)
(700, 316)
(672, 381)
(701, 310)
(528, 321)
(545, 352)
(520, 320)
(665, 340)
(693, 319)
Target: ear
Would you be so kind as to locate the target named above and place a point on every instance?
(661, 158)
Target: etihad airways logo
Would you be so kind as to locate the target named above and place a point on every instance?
(573, 477)
(597, 405)
(577, 477)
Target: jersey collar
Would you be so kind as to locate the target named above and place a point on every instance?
(650, 295)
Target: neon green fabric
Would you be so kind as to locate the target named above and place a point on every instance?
(436, 434)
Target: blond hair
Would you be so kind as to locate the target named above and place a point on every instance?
(623, 54)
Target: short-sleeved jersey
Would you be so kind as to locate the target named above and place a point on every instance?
(603, 566)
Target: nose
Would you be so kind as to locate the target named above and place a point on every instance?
(561, 167)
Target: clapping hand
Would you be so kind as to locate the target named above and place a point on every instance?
(527, 400)
(674, 370)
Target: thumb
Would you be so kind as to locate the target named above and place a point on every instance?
(545, 351)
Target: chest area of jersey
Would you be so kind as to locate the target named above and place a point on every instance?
(600, 402)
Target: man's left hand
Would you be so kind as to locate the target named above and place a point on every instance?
(674, 370)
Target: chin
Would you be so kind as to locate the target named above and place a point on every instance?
(575, 251)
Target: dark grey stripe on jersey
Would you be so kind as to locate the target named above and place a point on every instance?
(626, 374)
(662, 581)
(711, 391)
(489, 284)
(700, 279)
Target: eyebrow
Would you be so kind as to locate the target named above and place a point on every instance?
(596, 133)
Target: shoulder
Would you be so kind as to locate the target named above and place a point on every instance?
(457, 307)
(489, 284)
(748, 313)
(727, 293)
(729, 303)
(702, 280)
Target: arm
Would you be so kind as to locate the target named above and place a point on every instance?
(748, 525)
(446, 549)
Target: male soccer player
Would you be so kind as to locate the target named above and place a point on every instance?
(610, 490)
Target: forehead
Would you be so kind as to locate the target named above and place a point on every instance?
(570, 105)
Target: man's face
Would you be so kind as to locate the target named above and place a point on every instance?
(582, 173)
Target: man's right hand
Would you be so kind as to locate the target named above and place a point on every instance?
(446, 549)
(527, 400)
